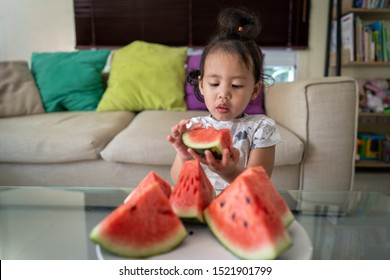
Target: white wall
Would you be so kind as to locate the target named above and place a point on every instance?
(311, 62)
(28, 26)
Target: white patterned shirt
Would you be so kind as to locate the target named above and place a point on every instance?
(248, 132)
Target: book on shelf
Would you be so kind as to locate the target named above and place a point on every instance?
(370, 4)
(386, 43)
(368, 45)
(376, 28)
(361, 41)
(346, 46)
(348, 34)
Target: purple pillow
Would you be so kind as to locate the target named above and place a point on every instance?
(193, 62)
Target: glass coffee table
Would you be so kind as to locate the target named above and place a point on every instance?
(54, 223)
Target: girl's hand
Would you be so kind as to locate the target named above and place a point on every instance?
(226, 167)
(175, 138)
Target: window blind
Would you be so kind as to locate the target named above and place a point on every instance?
(285, 23)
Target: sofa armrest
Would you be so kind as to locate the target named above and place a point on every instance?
(323, 113)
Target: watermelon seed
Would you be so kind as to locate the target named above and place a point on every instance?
(248, 200)
(133, 208)
(245, 224)
(165, 211)
(222, 203)
(233, 216)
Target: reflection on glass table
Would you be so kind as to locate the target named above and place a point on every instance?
(54, 223)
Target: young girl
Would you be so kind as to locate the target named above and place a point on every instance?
(229, 78)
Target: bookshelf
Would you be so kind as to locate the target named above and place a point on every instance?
(366, 66)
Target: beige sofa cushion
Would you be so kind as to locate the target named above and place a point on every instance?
(144, 140)
(290, 151)
(19, 94)
(59, 137)
(323, 112)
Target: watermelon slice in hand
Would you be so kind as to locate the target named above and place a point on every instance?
(214, 140)
(143, 226)
(245, 220)
(193, 192)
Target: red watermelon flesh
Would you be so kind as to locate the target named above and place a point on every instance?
(259, 178)
(202, 139)
(143, 226)
(246, 222)
(153, 177)
(193, 192)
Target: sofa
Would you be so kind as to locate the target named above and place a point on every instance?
(317, 120)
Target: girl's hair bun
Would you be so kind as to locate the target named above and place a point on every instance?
(238, 23)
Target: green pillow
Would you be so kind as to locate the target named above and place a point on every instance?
(146, 76)
(69, 81)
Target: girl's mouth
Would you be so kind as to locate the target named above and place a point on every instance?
(222, 109)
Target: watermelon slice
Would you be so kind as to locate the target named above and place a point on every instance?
(245, 221)
(193, 192)
(258, 177)
(214, 140)
(143, 226)
(153, 177)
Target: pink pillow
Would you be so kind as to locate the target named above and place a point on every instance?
(193, 63)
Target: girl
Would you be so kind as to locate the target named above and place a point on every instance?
(230, 76)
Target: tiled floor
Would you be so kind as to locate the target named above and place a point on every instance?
(372, 179)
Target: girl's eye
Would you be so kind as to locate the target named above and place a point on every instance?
(237, 86)
(214, 84)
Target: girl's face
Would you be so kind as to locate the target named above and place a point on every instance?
(227, 85)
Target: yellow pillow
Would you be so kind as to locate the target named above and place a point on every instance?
(146, 76)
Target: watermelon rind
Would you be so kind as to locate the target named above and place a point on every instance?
(249, 217)
(192, 193)
(222, 140)
(214, 147)
(192, 213)
(136, 252)
(263, 252)
(287, 218)
(144, 226)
